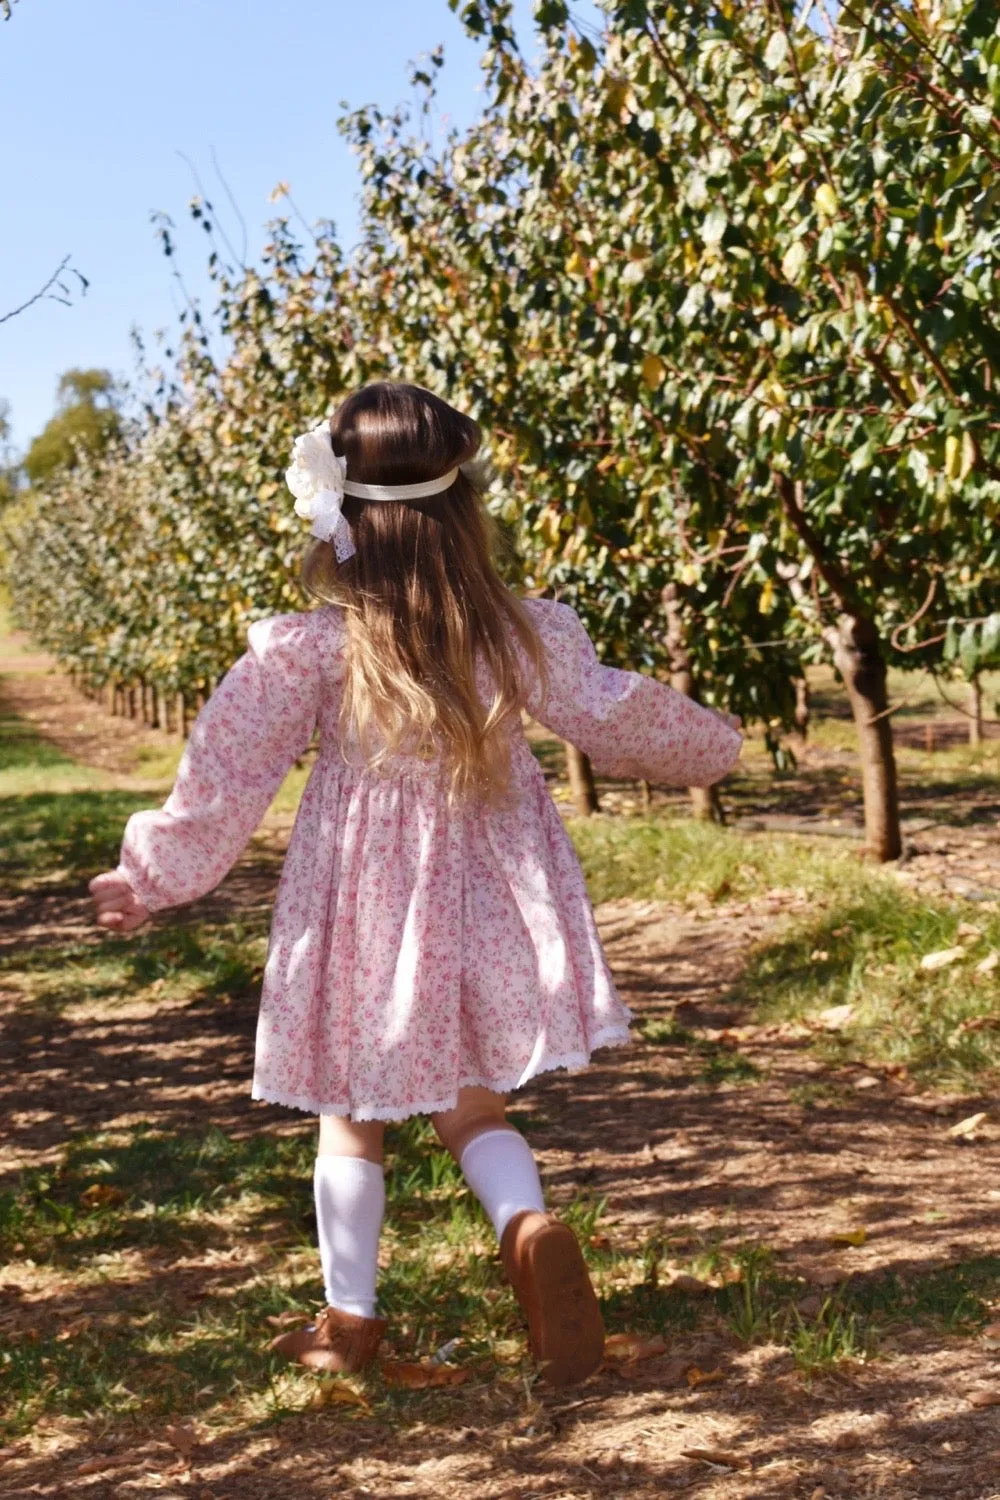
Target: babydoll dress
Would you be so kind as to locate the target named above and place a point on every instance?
(418, 944)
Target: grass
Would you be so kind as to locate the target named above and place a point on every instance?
(865, 951)
(654, 858)
(144, 1264)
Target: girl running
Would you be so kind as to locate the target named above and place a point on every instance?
(432, 945)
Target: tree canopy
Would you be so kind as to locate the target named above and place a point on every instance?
(87, 420)
(722, 290)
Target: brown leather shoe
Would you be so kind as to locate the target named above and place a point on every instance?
(546, 1269)
(337, 1341)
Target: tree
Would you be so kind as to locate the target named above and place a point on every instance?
(722, 292)
(748, 270)
(87, 419)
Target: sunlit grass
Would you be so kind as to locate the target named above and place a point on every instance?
(661, 859)
(144, 1265)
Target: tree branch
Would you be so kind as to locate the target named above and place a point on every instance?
(835, 579)
(46, 290)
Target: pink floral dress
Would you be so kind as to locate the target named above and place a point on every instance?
(417, 946)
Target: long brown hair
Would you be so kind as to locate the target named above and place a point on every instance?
(423, 601)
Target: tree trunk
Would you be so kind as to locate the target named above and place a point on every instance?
(802, 709)
(180, 717)
(857, 655)
(705, 803)
(581, 781)
(975, 711)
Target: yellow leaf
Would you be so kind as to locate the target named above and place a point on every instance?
(766, 601)
(576, 265)
(616, 96)
(696, 1377)
(793, 261)
(339, 1393)
(849, 1237)
(826, 200)
(952, 455)
(653, 371)
(968, 455)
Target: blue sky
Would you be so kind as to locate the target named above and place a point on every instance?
(98, 99)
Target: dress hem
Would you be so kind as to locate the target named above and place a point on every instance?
(573, 1062)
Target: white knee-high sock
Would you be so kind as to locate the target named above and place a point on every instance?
(350, 1202)
(501, 1171)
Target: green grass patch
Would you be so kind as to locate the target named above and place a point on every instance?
(865, 951)
(657, 858)
(51, 838)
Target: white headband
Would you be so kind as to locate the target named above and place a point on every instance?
(318, 480)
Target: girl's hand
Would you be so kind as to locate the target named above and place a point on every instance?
(116, 904)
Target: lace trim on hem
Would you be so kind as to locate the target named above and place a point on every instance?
(573, 1062)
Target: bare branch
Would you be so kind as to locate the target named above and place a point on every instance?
(46, 292)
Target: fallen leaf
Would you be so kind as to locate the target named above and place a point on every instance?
(717, 1456)
(942, 958)
(818, 956)
(183, 1438)
(74, 1329)
(287, 1319)
(984, 1398)
(827, 1276)
(633, 1346)
(988, 964)
(106, 1461)
(696, 1377)
(991, 1335)
(338, 1393)
(849, 1237)
(867, 1082)
(682, 1282)
(600, 1242)
(835, 1017)
(417, 1376)
(101, 1195)
(967, 1127)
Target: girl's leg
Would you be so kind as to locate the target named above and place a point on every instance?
(540, 1256)
(350, 1202)
(494, 1157)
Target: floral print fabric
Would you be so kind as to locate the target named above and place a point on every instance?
(417, 946)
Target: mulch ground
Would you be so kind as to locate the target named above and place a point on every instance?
(642, 1129)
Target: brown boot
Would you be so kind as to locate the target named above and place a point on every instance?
(337, 1341)
(546, 1269)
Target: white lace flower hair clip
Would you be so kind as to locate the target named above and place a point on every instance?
(318, 480)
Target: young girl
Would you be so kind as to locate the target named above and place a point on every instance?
(432, 946)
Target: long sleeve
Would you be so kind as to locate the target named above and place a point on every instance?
(253, 728)
(629, 724)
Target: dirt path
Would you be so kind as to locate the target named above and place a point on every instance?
(775, 1161)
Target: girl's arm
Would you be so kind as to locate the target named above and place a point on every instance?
(253, 728)
(629, 724)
